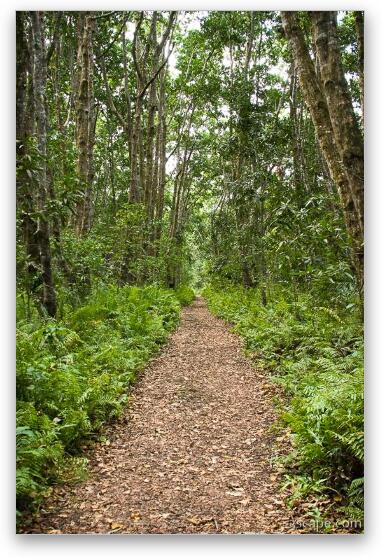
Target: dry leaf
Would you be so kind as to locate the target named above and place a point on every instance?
(116, 526)
(236, 493)
(54, 532)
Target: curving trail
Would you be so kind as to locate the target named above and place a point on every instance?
(193, 452)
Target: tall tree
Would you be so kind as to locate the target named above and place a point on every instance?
(347, 133)
(86, 118)
(320, 95)
(24, 130)
(48, 295)
(359, 25)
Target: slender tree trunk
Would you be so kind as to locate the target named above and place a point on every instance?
(134, 192)
(85, 122)
(126, 122)
(359, 25)
(151, 110)
(110, 155)
(297, 167)
(48, 296)
(24, 129)
(22, 63)
(135, 186)
(162, 116)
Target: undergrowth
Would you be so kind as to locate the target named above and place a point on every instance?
(185, 294)
(316, 353)
(73, 375)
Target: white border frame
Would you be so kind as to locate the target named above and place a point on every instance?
(293, 546)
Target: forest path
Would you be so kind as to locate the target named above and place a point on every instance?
(192, 453)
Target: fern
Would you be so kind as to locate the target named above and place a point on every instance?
(355, 441)
(316, 354)
(73, 375)
(331, 313)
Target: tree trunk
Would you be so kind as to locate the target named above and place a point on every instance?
(151, 109)
(297, 167)
(135, 186)
(134, 182)
(85, 122)
(162, 116)
(359, 25)
(318, 108)
(24, 129)
(347, 134)
(48, 295)
(22, 62)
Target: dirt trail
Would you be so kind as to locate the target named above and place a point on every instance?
(192, 453)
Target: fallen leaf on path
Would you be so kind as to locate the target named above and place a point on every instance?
(116, 526)
(54, 532)
(236, 493)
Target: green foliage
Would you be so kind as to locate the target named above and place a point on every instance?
(185, 294)
(73, 375)
(316, 354)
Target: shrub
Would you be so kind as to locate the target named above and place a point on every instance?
(73, 375)
(184, 294)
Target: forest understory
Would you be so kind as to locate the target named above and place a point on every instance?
(189, 260)
(194, 452)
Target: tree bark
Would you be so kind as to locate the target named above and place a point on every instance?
(24, 129)
(318, 108)
(347, 134)
(297, 167)
(48, 295)
(162, 134)
(85, 122)
(151, 109)
(359, 26)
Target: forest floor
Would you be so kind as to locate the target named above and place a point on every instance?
(193, 453)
